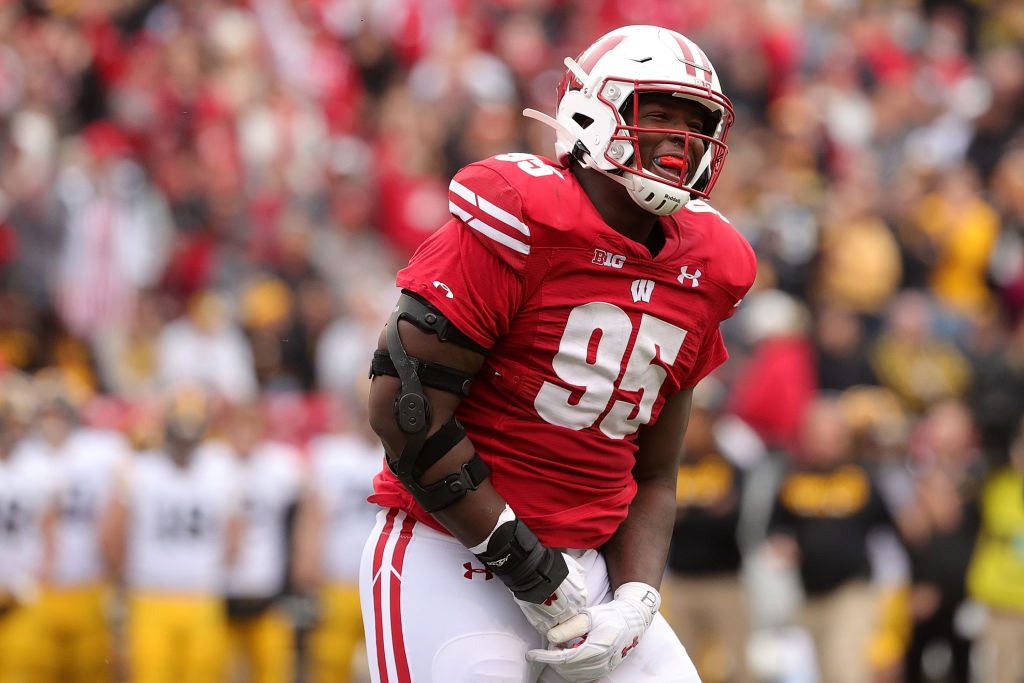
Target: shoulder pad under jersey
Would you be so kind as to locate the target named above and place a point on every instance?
(501, 198)
(723, 245)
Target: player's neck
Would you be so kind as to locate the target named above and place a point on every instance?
(617, 209)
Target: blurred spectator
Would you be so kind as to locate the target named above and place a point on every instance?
(206, 346)
(940, 527)
(996, 394)
(334, 522)
(341, 354)
(963, 229)
(996, 573)
(284, 325)
(28, 513)
(1003, 66)
(826, 507)
(117, 231)
(315, 308)
(909, 357)
(859, 261)
(409, 171)
(262, 637)
(21, 345)
(171, 531)
(779, 375)
(704, 595)
(76, 632)
(31, 210)
(126, 356)
(841, 348)
(879, 426)
(1006, 268)
(268, 312)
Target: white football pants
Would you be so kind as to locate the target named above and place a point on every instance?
(433, 614)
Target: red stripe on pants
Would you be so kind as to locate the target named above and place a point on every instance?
(378, 623)
(397, 562)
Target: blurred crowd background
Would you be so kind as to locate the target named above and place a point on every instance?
(218, 193)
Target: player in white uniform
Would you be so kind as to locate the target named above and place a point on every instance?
(334, 519)
(28, 511)
(261, 634)
(173, 529)
(76, 638)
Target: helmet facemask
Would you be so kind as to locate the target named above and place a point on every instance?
(653, 191)
(609, 78)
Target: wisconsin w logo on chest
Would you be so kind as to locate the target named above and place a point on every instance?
(642, 290)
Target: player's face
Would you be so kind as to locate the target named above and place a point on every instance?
(182, 435)
(245, 429)
(664, 153)
(54, 425)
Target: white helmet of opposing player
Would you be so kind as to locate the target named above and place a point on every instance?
(607, 80)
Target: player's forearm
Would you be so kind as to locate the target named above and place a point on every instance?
(112, 538)
(49, 533)
(307, 546)
(639, 548)
(471, 519)
(233, 538)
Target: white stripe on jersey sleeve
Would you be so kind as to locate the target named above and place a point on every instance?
(463, 191)
(483, 228)
(479, 213)
(502, 215)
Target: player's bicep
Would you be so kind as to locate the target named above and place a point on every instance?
(384, 389)
(464, 275)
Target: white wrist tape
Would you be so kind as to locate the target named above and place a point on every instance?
(507, 515)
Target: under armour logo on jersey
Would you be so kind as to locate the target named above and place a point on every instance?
(448, 293)
(685, 274)
(642, 290)
(606, 258)
(551, 599)
(470, 570)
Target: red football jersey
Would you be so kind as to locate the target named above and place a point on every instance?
(588, 334)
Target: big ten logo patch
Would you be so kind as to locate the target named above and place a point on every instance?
(606, 258)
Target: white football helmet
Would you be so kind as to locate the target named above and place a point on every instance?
(609, 77)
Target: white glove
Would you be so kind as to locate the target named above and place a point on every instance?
(609, 632)
(566, 602)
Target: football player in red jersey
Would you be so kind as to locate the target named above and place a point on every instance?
(533, 383)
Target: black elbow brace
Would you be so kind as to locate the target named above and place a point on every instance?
(531, 570)
(412, 410)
